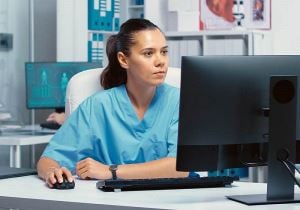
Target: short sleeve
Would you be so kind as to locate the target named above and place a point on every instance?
(63, 147)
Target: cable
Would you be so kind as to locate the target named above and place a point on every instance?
(282, 156)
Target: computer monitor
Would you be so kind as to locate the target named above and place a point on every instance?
(228, 118)
(46, 82)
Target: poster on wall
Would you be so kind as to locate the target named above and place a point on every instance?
(257, 14)
(216, 14)
(231, 14)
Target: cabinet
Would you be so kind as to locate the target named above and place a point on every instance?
(74, 38)
(217, 43)
(132, 9)
(75, 42)
(154, 10)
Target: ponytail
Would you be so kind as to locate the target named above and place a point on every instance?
(113, 75)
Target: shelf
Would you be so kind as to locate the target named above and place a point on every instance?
(212, 33)
(103, 32)
(136, 7)
(216, 42)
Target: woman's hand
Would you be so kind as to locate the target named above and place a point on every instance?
(56, 117)
(90, 168)
(54, 175)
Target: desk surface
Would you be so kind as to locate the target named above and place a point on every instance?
(18, 191)
(25, 137)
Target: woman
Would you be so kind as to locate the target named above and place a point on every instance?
(128, 130)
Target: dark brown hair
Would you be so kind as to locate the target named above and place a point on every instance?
(114, 75)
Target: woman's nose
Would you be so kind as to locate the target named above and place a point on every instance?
(160, 60)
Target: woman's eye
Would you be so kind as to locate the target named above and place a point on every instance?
(164, 52)
(148, 54)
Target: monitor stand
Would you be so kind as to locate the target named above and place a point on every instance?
(282, 142)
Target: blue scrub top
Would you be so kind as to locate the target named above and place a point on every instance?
(106, 128)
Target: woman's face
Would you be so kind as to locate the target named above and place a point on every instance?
(148, 61)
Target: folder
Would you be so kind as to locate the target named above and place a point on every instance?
(95, 47)
(100, 15)
(116, 15)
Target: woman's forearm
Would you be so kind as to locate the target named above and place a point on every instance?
(163, 168)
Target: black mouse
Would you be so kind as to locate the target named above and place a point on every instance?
(65, 185)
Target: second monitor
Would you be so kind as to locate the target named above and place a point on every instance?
(46, 82)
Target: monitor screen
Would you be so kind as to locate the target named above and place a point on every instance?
(46, 82)
(224, 110)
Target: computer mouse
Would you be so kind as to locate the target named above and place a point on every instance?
(65, 185)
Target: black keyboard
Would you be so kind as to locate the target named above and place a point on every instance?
(164, 183)
(50, 125)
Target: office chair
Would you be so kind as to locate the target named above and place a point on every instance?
(85, 83)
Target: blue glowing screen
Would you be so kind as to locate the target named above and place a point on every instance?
(46, 82)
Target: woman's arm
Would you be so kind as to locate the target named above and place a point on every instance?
(163, 168)
(50, 171)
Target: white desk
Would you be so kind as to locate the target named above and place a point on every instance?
(15, 142)
(31, 193)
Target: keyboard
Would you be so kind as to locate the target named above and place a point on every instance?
(50, 125)
(164, 183)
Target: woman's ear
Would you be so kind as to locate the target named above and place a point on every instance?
(122, 60)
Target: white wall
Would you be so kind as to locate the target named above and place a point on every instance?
(14, 18)
(12, 83)
(285, 26)
(44, 39)
(156, 11)
(72, 30)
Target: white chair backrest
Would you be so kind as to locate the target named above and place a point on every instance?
(173, 77)
(86, 83)
(81, 86)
